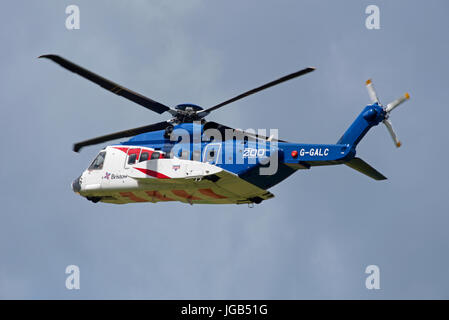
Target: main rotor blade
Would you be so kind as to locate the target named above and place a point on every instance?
(121, 134)
(255, 90)
(221, 127)
(108, 85)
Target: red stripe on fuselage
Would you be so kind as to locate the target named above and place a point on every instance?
(152, 173)
(158, 195)
(185, 195)
(211, 193)
(132, 197)
(124, 149)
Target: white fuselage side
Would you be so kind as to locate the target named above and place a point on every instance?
(123, 174)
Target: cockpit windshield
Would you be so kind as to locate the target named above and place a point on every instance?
(97, 164)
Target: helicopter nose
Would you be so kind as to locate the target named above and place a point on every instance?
(76, 186)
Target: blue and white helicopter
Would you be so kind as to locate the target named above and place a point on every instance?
(195, 161)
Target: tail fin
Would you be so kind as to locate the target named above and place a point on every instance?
(363, 167)
(371, 116)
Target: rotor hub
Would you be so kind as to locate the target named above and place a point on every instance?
(187, 112)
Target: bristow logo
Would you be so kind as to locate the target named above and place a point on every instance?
(112, 176)
(176, 167)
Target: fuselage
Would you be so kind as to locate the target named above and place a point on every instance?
(153, 167)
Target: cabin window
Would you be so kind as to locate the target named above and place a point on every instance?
(97, 164)
(133, 156)
(144, 156)
(210, 156)
(155, 155)
(211, 153)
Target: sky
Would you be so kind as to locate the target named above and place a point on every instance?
(315, 239)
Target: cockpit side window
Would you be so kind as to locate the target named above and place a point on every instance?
(132, 158)
(97, 164)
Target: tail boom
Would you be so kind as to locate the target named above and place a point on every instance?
(371, 116)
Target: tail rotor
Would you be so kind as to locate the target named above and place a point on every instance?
(388, 108)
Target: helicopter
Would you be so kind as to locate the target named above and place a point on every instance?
(195, 161)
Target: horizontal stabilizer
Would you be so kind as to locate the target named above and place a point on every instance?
(363, 167)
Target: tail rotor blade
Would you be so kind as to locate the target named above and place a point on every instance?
(393, 135)
(397, 102)
(372, 93)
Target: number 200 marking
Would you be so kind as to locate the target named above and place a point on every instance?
(253, 153)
